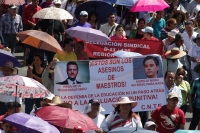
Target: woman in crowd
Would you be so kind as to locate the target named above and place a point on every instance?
(93, 110)
(180, 75)
(70, 6)
(148, 34)
(93, 20)
(123, 115)
(35, 72)
(119, 33)
(130, 23)
(79, 51)
(180, 18)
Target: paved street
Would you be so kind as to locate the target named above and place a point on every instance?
(22, 71)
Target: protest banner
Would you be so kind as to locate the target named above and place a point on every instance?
(109, 79)
(105, 49)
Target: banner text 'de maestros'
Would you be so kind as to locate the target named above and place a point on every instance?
(109, 79)
(105, 49)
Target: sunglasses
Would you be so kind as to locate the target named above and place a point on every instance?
(179, 74)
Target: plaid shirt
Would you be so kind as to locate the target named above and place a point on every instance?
(195, 93)
(10, 25)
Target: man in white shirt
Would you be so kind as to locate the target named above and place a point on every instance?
(171, 87)
(109, 28)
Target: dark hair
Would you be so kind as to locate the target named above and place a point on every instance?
(81, 43)
(67, 41)
(41, 57)
(118, 26)
(153, 58)
(92, 13)
(177, 13)
(109, 14)
(170, 21)
(127, 21)
(131, 113)
(12, 105)
(181, 69)
(141, 19)
(189, 23)
(72, 63)
(166, 73)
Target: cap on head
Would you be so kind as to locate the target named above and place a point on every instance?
(172, 95)
(148, 30)
(57, 2)
(93, 101)
(12, 6)
(149, 123)
(83, 13)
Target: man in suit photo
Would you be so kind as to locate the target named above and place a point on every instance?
(72, 72)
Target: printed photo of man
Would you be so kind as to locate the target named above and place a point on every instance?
(72, 72)
(151, 66)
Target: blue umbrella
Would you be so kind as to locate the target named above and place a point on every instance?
(100, 7)
(187, 131)
(131, 130)
(122, 2)
(7, 56)
(30, 124)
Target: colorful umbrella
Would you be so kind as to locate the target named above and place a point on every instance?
(122, 2)
(53, 13)
(64, 117)
(7, 56)
(30, 124)
(100, 7)
(149, 5)
(20, 86)
(87, 34)
(131, 130)
(16, 2)
(40, 40)
(122, 54)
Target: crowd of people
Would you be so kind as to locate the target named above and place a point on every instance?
(179, 32)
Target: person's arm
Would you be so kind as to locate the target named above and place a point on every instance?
(179, 97)
(29, 72)
(182, 126)
(37, 78)
(25, 16)
(193, 59)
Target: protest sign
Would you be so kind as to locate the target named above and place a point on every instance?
(105, 49)
(109, 79)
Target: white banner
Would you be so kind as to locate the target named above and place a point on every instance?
(140, 78)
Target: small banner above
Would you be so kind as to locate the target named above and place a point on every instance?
(106, 49)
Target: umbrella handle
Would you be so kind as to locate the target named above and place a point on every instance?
(16, 100)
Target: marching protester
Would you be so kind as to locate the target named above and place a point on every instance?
(148, 34)
(169, 118)
(137, 33)
(123, 115)
(119, 33)
(79, 51)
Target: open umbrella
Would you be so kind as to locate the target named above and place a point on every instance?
(6, 56)
(40, 40)
(87, 34)
(16, 2)
(149, 5)
(100, 7)
(122, 54)
(187, 131)
(122, 2)
(20, 86)
(53, 13)
(131, 130)
(30, 124)
(64, 117)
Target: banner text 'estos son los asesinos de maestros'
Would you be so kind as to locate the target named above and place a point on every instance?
(140, 78)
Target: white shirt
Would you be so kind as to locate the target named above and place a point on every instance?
(187, 40)
(194, 52)
(177, 90)
(133, 25)
(106, 29)
(101, 123)
(71, 82)
(172, 66)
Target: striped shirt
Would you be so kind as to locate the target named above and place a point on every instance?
(195, 93)
(10, 25)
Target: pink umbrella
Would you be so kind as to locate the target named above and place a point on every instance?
(149, 5)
